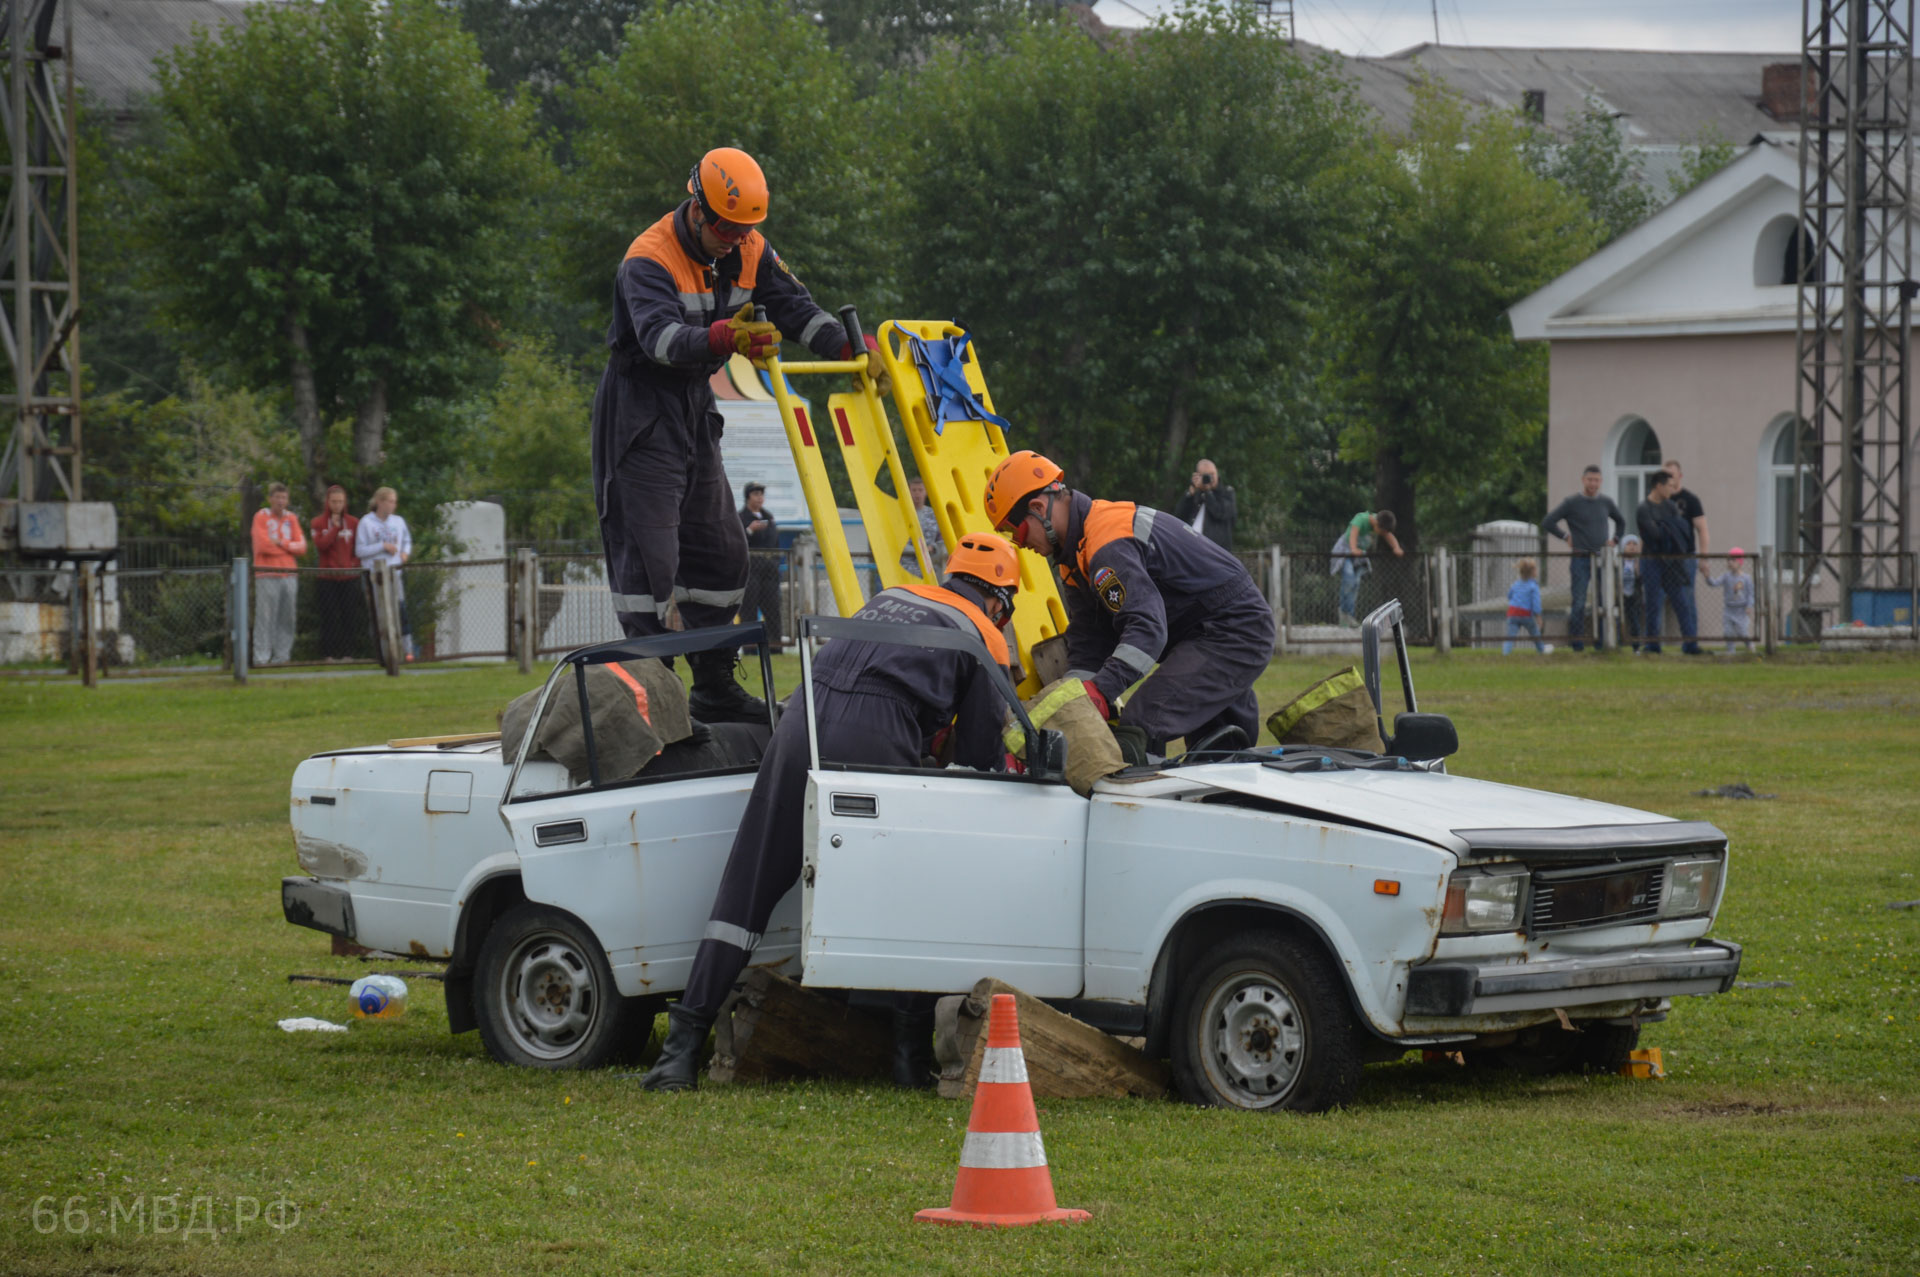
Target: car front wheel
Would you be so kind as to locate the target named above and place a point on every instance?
(544, 995)
(1263, 1022)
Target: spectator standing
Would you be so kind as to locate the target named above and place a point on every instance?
(1523, 606)
(1736, 594)
(1664, 535)
(1591, 523)
(278, 544)
(763, 570)
(929, 532)
(338, 589)
(1210, 508)
(383, 537)
(1631, 596)
(1693, 517)
(1350, 561)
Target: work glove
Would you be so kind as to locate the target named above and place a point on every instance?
(744, 335)
(1099, 702)
(875, 369)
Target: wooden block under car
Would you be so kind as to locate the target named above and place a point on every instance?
(1066, 1059)
(773, 1029)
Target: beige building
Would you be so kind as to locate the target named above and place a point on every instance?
(1676, 341)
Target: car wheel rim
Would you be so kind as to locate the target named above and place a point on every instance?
(1253, 1040)
(548, 996)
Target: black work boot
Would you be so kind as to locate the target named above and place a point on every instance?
(913, 1062)
(717, 694)
(678, 1068)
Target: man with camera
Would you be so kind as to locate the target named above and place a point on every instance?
(1207, 507)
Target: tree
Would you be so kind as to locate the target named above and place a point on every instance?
(880, 37)
(1596, 164)
(1437, 394)
(1134, 234)
(340, 205)
(772, 87)
(545, 46)
(1698, 162)
(531, 450)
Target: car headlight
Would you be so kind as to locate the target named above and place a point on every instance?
(1691, 887)
(1484, 900)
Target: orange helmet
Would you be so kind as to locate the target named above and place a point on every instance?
(987, 558)
(991, 561)
(730, 186)
(1014, 480)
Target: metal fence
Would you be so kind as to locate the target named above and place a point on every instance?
(166, 619)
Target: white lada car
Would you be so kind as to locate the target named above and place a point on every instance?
(1268, 919)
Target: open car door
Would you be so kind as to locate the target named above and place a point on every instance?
(638, 859)
(928, 880)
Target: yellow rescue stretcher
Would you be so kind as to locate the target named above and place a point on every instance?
(953, 456)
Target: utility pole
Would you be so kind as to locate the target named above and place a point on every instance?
(1855, 297)
(1436, 21)
(1275, 15)
(40, 256)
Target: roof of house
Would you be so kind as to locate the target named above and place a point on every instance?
(1673, 98)
(1711, 262)
(116, 41)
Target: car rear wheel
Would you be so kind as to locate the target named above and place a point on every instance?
(1263, 1022)
(544, 995)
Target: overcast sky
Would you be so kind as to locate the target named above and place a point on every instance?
(1373, 27)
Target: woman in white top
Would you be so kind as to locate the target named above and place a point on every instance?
(383, 536)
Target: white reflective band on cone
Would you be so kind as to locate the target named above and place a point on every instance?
(1004, 1064)
(1002, 1150)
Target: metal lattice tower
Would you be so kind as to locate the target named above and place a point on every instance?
(1275, 15)
(1854, 321)
(40, 255)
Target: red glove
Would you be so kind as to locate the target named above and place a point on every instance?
(1012, 763)
(875, 369)
(742, 334)
(873, 348)
(1099, 702)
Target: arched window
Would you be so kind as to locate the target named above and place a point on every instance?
(1777, 255)
(1784, 487)
(1635, 454)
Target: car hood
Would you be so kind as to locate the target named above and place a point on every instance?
(1430, 806)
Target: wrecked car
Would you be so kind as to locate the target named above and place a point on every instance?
(1267, 919)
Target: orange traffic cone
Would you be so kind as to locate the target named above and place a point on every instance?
(1004, 1181)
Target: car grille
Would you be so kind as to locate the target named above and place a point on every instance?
(1595, 896)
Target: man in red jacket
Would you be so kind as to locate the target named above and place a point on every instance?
(338, 592)
(278, 544)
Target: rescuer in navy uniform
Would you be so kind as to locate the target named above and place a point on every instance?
(877, 704)
(1142, 588)
(683, 303)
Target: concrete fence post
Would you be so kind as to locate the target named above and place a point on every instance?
(1276, 597)
(526, 619)
(89, 586)
(1440, 565)
(242, 619)
(1606, 597)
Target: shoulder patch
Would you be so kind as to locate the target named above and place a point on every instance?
(1111, 589)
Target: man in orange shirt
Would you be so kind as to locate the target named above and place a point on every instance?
(278, 544)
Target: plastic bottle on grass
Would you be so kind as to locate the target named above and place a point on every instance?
(379, 997)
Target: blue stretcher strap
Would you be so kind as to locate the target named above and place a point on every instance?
(942, 362)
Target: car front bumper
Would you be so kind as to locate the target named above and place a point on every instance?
(308, 902)
(1453, 989)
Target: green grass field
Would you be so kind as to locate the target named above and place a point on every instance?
(143, 833)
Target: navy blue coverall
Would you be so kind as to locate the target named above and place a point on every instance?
(666, 513)
(878, 705)
(1141, 587)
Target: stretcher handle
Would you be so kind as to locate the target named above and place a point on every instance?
(856, 341)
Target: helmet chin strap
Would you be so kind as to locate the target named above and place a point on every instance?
(1046, 521)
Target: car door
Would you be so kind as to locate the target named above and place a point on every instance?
(640, 863)
(932, 880)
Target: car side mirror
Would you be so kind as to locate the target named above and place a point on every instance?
(1421, 738)
(1051, 761)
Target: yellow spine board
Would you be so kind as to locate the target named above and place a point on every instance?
(955, 464)
(859, 425)
(803, 437)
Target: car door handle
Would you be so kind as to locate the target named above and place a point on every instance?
(865, 805)
(559, 832)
